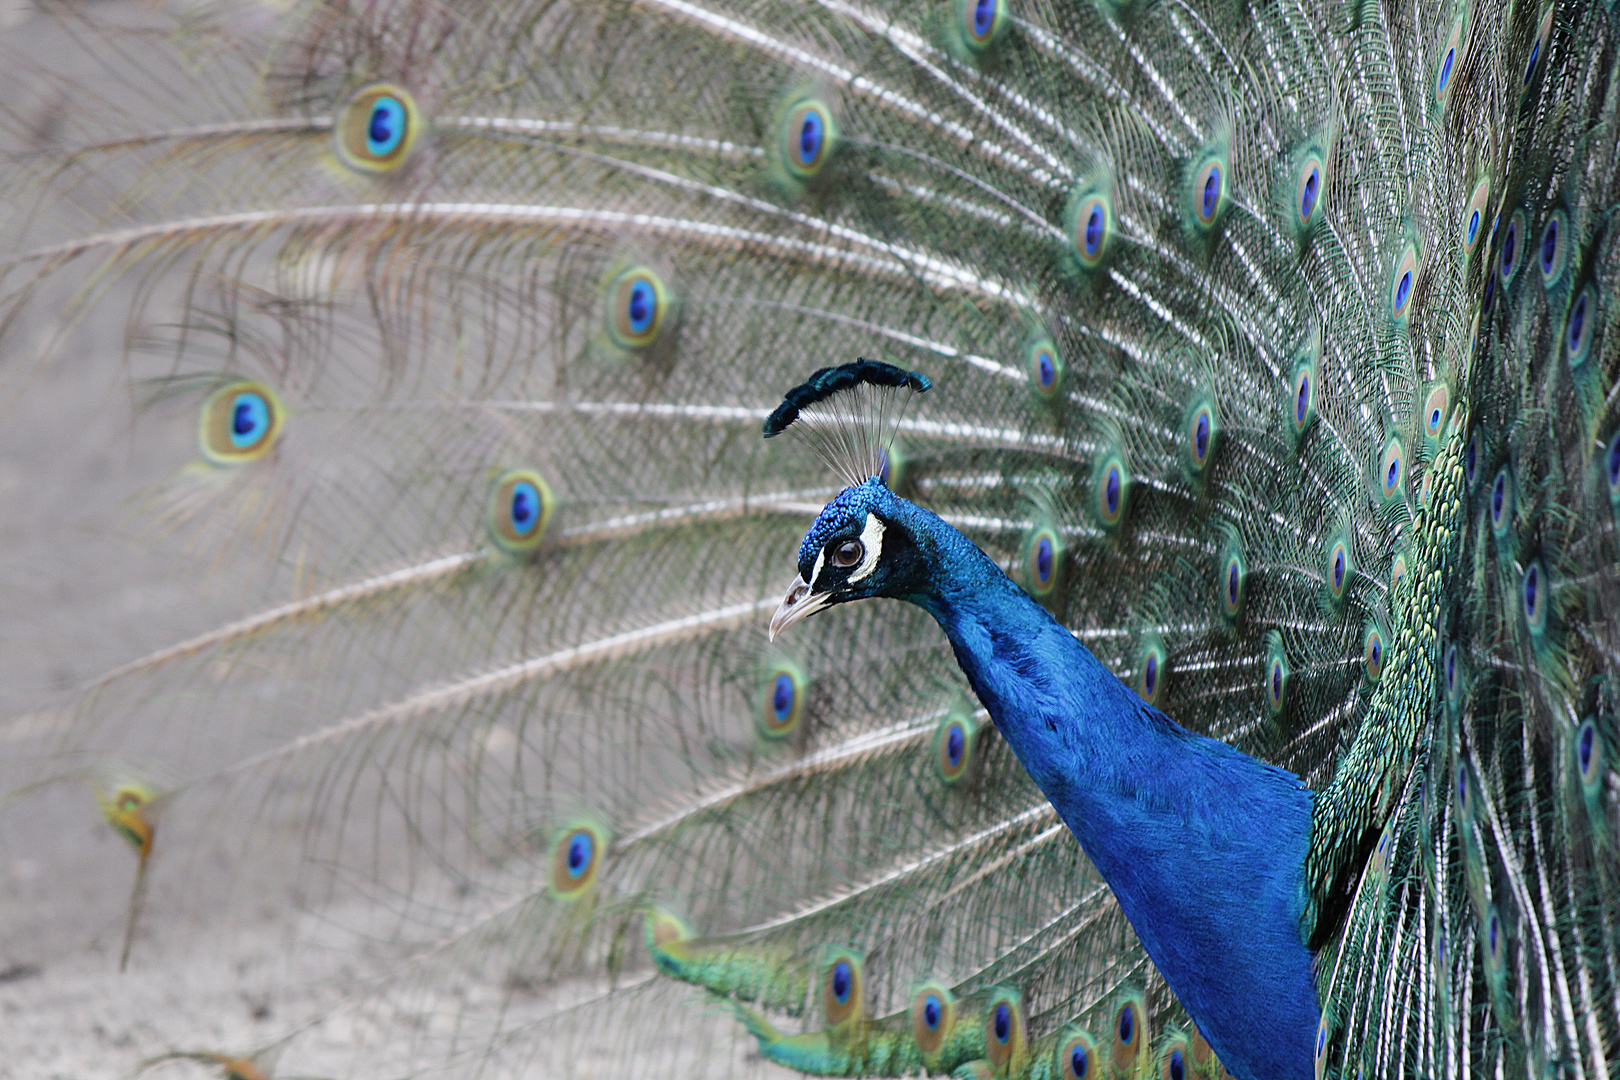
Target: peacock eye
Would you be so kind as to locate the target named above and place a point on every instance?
(848, 553)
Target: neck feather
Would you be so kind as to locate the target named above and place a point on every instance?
(1203, 845)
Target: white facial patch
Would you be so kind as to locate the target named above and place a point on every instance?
(872, 545)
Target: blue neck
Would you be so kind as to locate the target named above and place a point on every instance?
(1203, 845)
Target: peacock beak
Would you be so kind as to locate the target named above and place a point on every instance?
(799, 603)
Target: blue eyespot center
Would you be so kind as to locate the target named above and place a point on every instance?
(1532, 590)
(1549, 246)
(1211, 193)
(1403, 290)
(1201, 436)
(580, 848)
(782, 696)
(1577, 326)
(1473, 227)
(1003, 1023)
(955, 744)
(1043, 559)
(1079, 1062)
(1393, 474)
(525, 507)
(1307, 198)
(1178, 1069)
(1509, 243)
(1127, 1025)
(1232, 584)
(810, 136)
(1046, 368)
(1338, 569)
(1498, 497)
(841, 982)
(984, 16)
(1530, 68)
(1613, 464)
(1321, 1040)
(1496, 929)
(1111, 490)
(933, 1012)
(1584, 748)
(1150, 674)
(642, 305)
(1094, 230)
(386, 128)
(1445, 68)
(1302, 399)
(1276, 682)
(1451, 669)
(250, 419)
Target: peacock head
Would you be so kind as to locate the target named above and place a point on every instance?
(860, 546)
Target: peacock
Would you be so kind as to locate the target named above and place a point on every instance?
(1217, 400)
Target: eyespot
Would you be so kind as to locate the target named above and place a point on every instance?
(1464, 790)
(1003, 1031)
(576, 858)
(1611, 466)
(1397, 571)
(1043, 555)
(1174, 1060)
(519, 508)
(1435, 407)
(1501, 502)
(125, 811)
(807, 138)
(1449, 58)
(1404, 281)
(1152, 669)
(1321, 1046)
(1233, 578)
(1588, 755)
(1076, 1057)
(954, 747)
(981, 22)
(1276, 679)
(1045, 368)
(1490, 294)
(637, 303)
(1474, 216)
(1495, 939)
(841, 996)
(1450, 679)
(1302, 396)
(1578, 326)
(933, 1015)
(1471, 458)
(1091, 226)
(1538, 47)
(1209, 192)
(1111, 491)
(1200, 436)
(1338, 569)
(1308, 191)
(376, 128)
(1551, 255)
(240, 422)
(1512, 255)
(780, 702)
(1130, 1034)
(1533, 594)
(1372, 654)
(1391, 469)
